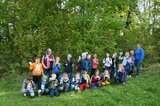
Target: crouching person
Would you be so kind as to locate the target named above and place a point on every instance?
(95, 79)
(44, 85)
(105, 78)
(121, 75)
(28, 87)
(75, 82)
(53, 82)
(84, 83)
(64, 82)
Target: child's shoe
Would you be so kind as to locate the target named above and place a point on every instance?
(39, 92)
(24, 94)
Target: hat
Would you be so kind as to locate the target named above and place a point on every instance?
(44, 77)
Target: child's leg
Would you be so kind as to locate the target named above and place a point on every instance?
(81, 87)
(56, 92)
(39, 82)
(66, 87)
(72, 87)
(51, 92)
(98, 84)
(138, 66)
(102, 83)
(106, 83)
(31, 92)
(86, 86)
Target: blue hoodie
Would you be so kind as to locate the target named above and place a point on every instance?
(139, 54)
(56, 68)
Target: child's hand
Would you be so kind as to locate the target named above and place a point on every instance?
(30, 63)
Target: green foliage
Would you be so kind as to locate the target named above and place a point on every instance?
(28, 27)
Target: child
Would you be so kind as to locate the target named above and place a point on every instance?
(84, 82)
(75, 82)
(53, 91)
(88, 63)
(68, 65)
(105, 78)
(37, 72)
(28, 87)
(120, 58)
(95, 63)
(127, 64)
(114, 65)
(56, 67)
(121, 75)
(82, 63)
(44, 85)
(47, 61)
(78, 64)
(64, 83)
(132, 60)
(107, 61)
(95, 79)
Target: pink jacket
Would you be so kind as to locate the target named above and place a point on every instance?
(95, 63)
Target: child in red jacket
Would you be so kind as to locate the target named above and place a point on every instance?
(95, 79)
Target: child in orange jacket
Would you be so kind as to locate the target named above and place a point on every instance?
(37, 72)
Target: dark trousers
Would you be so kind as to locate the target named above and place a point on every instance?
(53, 92)
(138, 66)
(93, 71)
(37, 80)
(48, 72)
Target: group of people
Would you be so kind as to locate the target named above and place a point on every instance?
(46, 78)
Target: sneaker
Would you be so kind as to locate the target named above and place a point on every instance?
(24, 94)
(137, 76)
(39, 92)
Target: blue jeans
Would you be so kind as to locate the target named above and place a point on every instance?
(138, 66)
(69, 75)
(53, 92)
(97, 84)
(29, 92)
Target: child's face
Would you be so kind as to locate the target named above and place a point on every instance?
(57, 59)
(53, 76)
(88, 56)
(106, 72)
(97, 73)
(95, 55)
(132, 52)
(49, 52)
(37, 60)
(121, 53)
(77, 75)
(107, 54)
(127, 54)
(121, 66)
(65, 76)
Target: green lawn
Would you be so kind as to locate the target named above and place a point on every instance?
(144, 91)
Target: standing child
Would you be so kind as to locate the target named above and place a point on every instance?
(64, 83)
(88, 63)
(95, 79)
(75, 82)
(47, 61)
(84, 83)
(107, 61)
(28, 87)
(95, 63)
(127, 64)
(82, 63)
(114, 65)
(68, 66)
(37, 72)
(132, 60)
(121, 75)
(44, 85)
(121, 57)
(53, 91)
(105, 78)
(56, 67)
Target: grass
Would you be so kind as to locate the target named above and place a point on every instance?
(144, 91)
